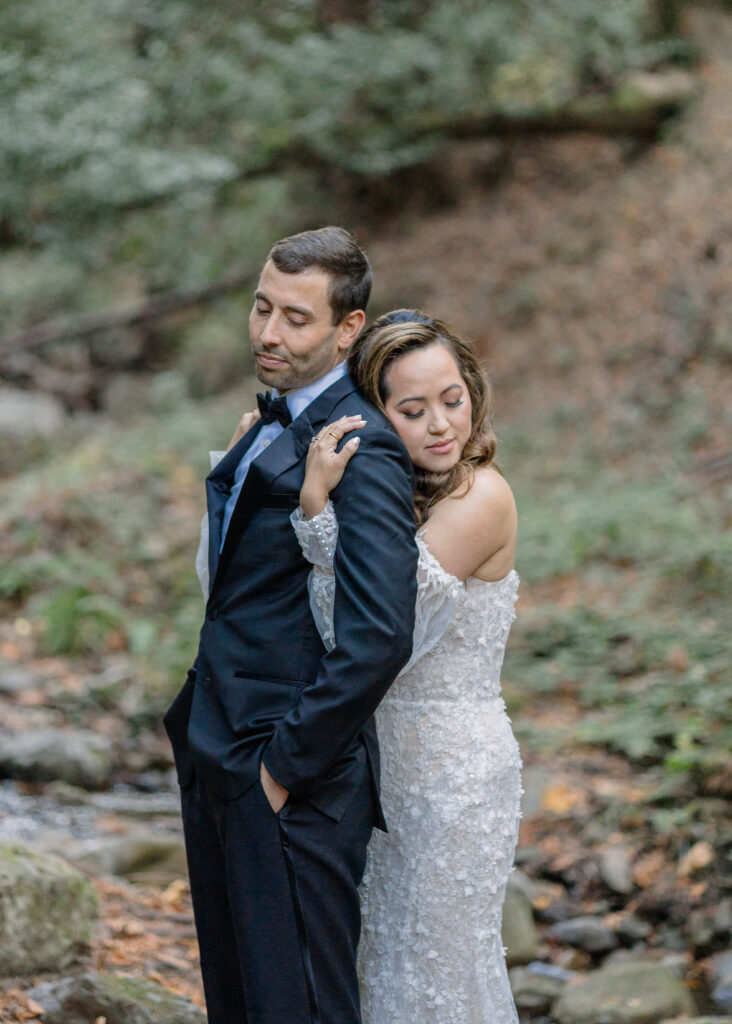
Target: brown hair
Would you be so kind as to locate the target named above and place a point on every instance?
(393, 336)
(335, 251)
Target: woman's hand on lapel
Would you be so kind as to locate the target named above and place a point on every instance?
(325, 466)
(245, 424)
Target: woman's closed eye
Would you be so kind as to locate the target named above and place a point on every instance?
(420, 412)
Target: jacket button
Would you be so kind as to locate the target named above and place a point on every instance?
(214, 613)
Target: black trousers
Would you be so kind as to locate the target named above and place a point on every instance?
(276, 905)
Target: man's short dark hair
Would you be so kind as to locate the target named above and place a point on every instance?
(335, 251)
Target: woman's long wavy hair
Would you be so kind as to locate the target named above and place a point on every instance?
(375, 351)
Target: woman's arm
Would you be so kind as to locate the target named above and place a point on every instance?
(474, 533)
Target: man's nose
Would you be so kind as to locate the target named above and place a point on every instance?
(270, 331)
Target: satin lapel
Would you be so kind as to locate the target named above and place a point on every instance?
(218, 488)
(285, 451)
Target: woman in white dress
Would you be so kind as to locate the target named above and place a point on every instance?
(431, 950)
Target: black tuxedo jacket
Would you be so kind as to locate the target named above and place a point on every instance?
(262, 685)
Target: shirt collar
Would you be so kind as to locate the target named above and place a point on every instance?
(299, 399)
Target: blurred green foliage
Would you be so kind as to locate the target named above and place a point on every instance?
(153, 145)
(640, 644)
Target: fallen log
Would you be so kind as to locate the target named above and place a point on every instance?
(86, 325)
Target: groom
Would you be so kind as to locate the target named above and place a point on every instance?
(274, 738)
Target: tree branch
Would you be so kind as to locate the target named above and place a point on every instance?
(87, 324)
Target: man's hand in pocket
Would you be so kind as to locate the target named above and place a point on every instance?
(275, 793)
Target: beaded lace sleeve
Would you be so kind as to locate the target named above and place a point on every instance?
(202, 553)
(436, 589)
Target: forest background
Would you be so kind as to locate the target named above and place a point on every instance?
(554, 180)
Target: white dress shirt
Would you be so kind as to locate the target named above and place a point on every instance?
(297, 402)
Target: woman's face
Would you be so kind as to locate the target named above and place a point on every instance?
(430, 407)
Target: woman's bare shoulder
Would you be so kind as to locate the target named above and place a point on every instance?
(489, 496)
(467, 528)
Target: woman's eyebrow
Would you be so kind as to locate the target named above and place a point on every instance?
(421, 398)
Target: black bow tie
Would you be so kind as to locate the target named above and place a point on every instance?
(271, 409)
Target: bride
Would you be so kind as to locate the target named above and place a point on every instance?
(431, 950)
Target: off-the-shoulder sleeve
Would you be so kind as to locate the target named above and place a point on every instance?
(202, 553)
(436, 588)
(436, 593)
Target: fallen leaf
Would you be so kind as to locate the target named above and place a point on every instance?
(647, 868)
(699, 856)
(561, 798)
(174, 893)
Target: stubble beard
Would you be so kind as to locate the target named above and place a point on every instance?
(295, 375)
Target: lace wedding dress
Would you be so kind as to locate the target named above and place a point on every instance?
(431, 950)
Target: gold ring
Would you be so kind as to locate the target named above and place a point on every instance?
(333, 434)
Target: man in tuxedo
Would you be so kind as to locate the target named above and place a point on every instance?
(274, 739)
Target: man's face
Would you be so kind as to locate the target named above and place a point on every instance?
(293, 338)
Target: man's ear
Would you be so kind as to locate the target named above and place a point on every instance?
(349, 328)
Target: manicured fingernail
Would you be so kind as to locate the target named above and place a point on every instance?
(355, 442)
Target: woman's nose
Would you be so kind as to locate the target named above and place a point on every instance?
(437, 423)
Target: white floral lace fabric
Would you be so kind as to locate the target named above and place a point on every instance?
(436, 589)
(431, 950)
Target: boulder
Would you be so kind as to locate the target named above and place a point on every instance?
(623, 993)
(588, 933)
(520, 936)
(47, 911)
(76, 756)
(115, 999)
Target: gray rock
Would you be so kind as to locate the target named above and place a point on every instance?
(119, 1000)
(15, 678)
(535, 782)
(76, 756)
(588, 933)
(536, 987)
(519, 880)
(25, 413)
(721, 980)
(699, 1020)
(623, 993)
(520, 936)
(615, 869)
(58, 842)
(133, 854)
(723, 917)
(47, 911)
(633, 929)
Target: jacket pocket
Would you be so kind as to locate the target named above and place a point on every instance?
(253, 706)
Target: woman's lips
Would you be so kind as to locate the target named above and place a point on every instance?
(442, 447)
